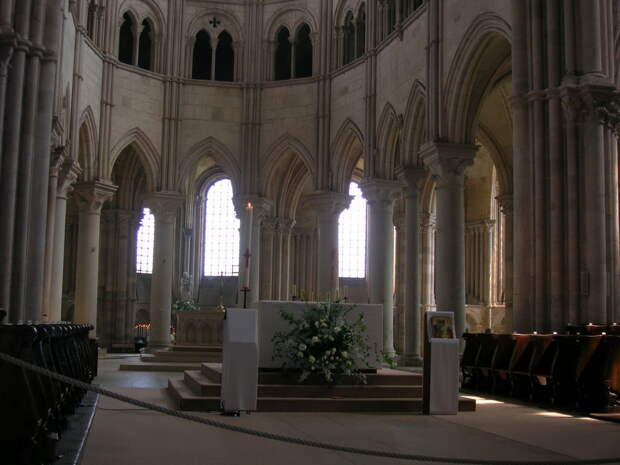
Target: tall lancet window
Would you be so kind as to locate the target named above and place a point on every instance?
(360, 31)
(221, 246)
(145, 47)
(283, 55)
(348, 44)
(126, 40)
(202, 56)
(303, 52)
(224, 58)
(145, 242)
(352, 236)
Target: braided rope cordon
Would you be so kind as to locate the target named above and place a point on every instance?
(289, 439)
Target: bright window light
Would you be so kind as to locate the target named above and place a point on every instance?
(352, 236)
(221, 244)
(146, 240)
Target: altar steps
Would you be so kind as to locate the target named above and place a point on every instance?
(176, 358)
(386, 391)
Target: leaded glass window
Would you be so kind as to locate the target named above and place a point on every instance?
(146, 240)
(352, 236)
(221, 246)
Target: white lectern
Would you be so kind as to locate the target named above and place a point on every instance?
(240, 360)
(441, 365)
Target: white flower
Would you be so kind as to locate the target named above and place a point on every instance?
(345, 354)
(315, 339)
(302, 347)
(300, 354)
(311, 359)
(337, 329)
(316, 323)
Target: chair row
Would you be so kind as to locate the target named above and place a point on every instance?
(577, 371)
(35, 407)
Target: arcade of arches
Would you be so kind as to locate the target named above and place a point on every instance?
(458, 159)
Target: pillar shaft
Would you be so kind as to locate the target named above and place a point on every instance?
(380, 195)
(164, 206)
(413, 179)
(90, 198)
(328, 206)
(447, 162)
(63, 184)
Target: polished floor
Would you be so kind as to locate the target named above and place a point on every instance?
(122, 434)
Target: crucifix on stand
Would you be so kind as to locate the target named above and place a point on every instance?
(245, 289)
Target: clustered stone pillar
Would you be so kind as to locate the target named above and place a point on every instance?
(380, 195)
(63, 183)
(90, 198)
(447, 162)
(164, 207)
(506, 206)
(413, 179)
(328, 206)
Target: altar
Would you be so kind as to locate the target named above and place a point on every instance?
(270, 321)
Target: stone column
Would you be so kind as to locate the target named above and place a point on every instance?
(380, 195)
(413, 179)
(90, 198)
(328, 206)
(506, 206)
(285, 226)
(268, 232)
(447, 162)
(61, 183)
(164, 206)
(7, 45)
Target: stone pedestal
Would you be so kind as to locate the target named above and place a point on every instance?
(412, 178)
(164, 206)
(328, 206)
(90, 198)
(447, 162)
(380, 195)
(199, 328)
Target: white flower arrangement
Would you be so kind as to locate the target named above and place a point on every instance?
(323, 344)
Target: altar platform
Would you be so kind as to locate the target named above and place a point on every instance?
(387, 390)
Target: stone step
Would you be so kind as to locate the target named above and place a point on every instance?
(172, 356)
(195, 348)
(199, 384)
(185, 399)
(383, 377)
(150, 366)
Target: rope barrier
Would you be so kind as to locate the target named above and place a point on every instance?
(284, 438)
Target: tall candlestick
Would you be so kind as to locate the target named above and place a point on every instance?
(249, 208)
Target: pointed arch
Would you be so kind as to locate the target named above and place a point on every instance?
(388, 133)
(484, 48)
(504, 176)
(289, 142)
(228, 22)
(145, 150)
(299, 15)
(347, 148)
(212, 147)
(87, 144)
(414, 125)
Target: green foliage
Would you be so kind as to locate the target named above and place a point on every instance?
(184, 306)
(324, 343)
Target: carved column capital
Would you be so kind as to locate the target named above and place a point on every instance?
(413, 179)
(260, 206)
(446, 160)
(164, 205)
(285, 225)
(327, 204)
(90, 196)
(380, 191)
(506, 203)
(68, 170)
(269, 224)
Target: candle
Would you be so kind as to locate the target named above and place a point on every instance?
(249, 217)
(336, 295)
(294, 290)
(346, 292)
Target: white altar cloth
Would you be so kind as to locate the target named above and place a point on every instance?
(240, 360)
(444, 386)
(270, 322)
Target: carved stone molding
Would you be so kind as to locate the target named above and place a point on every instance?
(413, 179)
(328, 204)
(380, 191)
(68, 172)
(261, 206)
(598, 102)
(506, 203)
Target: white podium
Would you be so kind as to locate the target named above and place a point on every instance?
(240, 360)
(441, 365)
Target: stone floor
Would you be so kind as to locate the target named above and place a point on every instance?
(122, 434)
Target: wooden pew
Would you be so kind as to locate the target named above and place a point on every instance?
(500, 365)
